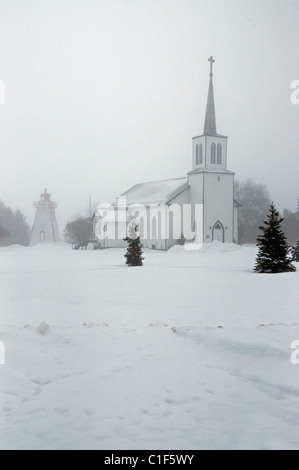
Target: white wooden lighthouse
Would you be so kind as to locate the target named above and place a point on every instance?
(45, 229)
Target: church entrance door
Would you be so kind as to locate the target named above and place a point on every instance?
(218, 232)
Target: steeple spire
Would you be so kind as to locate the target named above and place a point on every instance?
(210, 120)
(212, 61)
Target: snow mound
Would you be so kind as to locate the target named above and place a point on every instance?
(158, 324)
(43, 328)
(214, 247)
(94, 325)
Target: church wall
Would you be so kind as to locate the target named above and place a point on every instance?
(236, 230)
(110, 234)
(196, 188)
(218, 205)
(156, 229)
(196, 193)
(156, 223)
(109, 243)
(179, 200)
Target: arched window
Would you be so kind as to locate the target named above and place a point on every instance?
(154, 228)
(42, 236)
(197, 154)
(200, 154)
(213, 154)
(219, 154)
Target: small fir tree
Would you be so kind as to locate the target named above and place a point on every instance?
(296, 252)
(274, 252)
(134, 251)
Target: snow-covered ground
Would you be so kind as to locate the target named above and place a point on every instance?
(191, 351)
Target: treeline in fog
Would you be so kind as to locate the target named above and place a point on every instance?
(255, 201)
(14, 229)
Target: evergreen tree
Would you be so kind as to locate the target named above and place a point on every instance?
(134, 251)
(274, 252)
(296, 252)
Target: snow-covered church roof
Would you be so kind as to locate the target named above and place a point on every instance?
(156, 192)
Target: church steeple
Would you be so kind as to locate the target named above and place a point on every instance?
(210, 148)
(210, 120)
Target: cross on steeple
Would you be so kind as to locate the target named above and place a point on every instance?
(210, 121)
(212, 61)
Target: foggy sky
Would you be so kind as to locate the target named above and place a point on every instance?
(103, 94)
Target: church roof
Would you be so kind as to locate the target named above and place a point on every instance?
(214, 135)
(156, 192)
(237, 203)
(210, 170)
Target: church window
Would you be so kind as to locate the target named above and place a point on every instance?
(213, 154)
(201, 154)
(154, 228)
(219, 154)
(42, 236)
(197, 154)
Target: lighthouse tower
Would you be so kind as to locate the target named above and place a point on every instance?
(45, 229)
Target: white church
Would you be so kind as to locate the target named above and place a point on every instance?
(199, 206)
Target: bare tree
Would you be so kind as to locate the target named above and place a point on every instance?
(78, 230)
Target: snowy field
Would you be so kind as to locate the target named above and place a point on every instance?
(191, 351)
